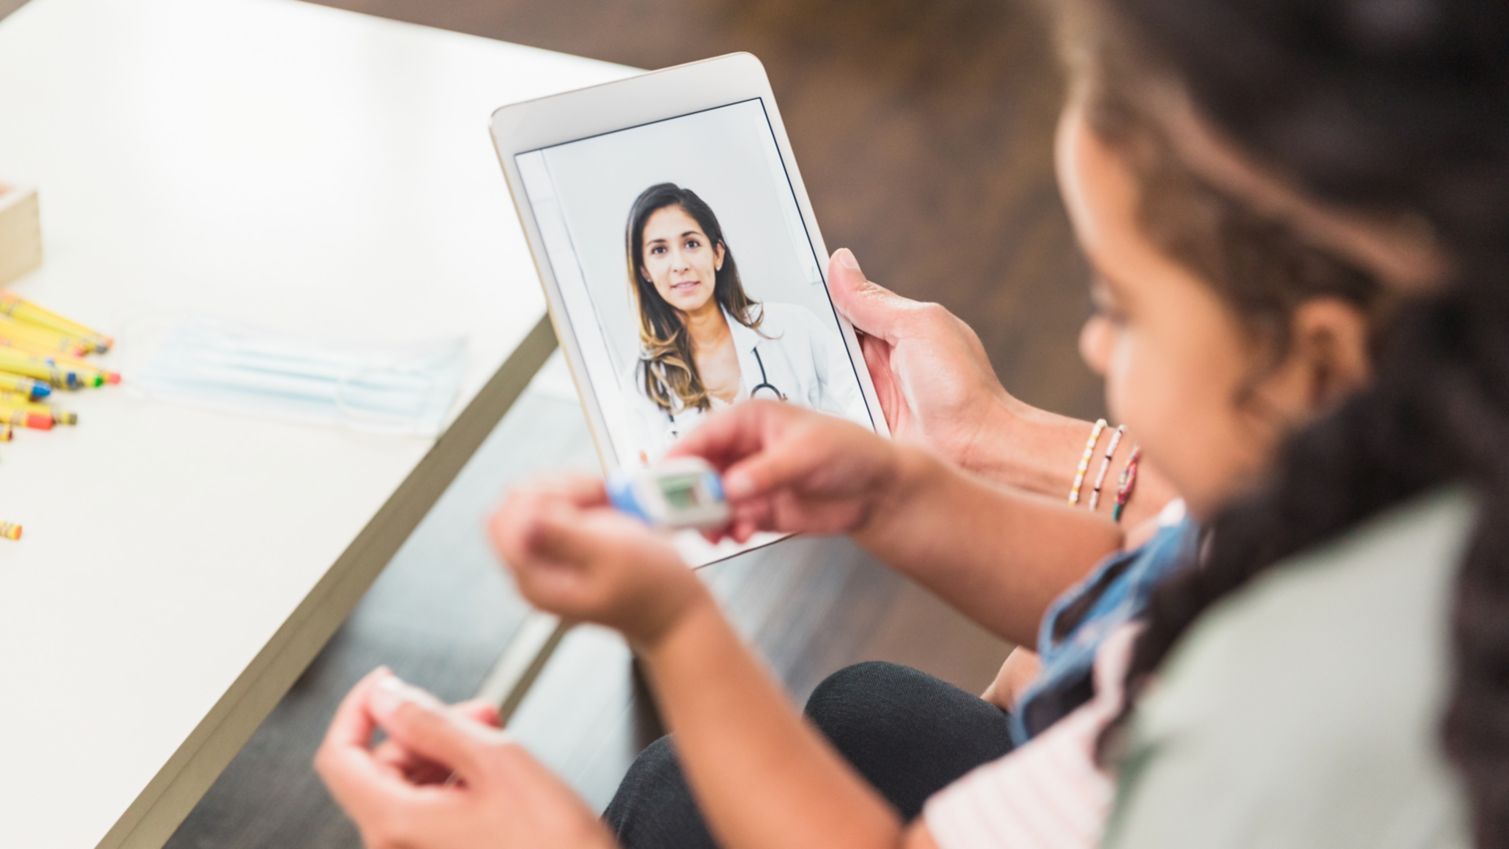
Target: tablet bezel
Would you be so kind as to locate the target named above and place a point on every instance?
(654, 96)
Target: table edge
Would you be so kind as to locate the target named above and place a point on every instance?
(182, 781)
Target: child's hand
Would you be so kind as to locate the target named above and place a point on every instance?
(399, 793)
(790, 469)
(572, 554)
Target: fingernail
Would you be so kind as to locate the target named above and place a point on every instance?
(388, 695)
(738, 484)
(846, 259)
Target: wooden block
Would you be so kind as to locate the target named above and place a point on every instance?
(20, 232)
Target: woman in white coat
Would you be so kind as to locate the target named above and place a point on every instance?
(704, 343)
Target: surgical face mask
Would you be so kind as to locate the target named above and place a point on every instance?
(402, 388)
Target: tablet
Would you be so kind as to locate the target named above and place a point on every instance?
(682, 266)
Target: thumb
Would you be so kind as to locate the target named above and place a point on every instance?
(424, 726)
(869, 306)
(763, 473)
(563, 536)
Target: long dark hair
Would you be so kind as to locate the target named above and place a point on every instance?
(1389, 109)
(667, 370)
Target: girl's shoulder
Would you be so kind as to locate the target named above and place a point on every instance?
(1328, 671)
(1399, 562)
(1312, 699)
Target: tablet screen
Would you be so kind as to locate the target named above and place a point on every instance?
(688, 279)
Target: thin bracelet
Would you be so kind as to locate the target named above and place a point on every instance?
(1127, 483)
(1084, 461)
(1105, 466)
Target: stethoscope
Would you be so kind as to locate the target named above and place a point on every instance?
(674, 432)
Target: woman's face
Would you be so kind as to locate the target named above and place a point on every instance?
(1175, 358)
(678, 259)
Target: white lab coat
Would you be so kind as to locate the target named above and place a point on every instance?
(804, 358)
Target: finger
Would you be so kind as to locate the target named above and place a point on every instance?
(352, 725)
(568, 537)
(743, 530)
(579, 489)
(758, 512)
(867, 305)
(420, 770)
(759, 475)
(428, 730)
(511, 524)
(480, 710)
(877, 353)
(363, 786)
(728, 435)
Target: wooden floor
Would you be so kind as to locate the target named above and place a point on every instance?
(923, 131)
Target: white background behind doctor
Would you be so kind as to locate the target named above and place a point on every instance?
(582, 193)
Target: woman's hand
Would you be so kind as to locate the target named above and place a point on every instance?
(572, 554)
(402, 793)
(1017, 675)
(933, 378)
(937, 389)
(792, 470)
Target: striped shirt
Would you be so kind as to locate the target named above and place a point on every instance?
(1049, 793)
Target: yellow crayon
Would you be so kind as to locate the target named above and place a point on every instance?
(33, 366)
(23, 310)
(26, 418)
(89, 373)
(24, 385)
(10, 530)
(29, 346)
(20, 333)
(11, 403)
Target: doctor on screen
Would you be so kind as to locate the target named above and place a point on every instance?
(704, 343)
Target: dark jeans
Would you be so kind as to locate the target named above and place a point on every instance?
(908, 733)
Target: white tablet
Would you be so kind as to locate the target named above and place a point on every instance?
(681, 262)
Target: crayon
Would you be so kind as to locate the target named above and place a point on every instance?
(10, 530)
(22, 418)
(38, 368)
(48, 341)
(16, 383)
(7, 433)
(27, 345)
(23, 310)
(10, 403)
(85, 369)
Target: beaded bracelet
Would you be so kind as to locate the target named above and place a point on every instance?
(1105, 466)
(1084, 461)
(1126, 483)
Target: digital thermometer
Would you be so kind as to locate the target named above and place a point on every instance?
(682, 492)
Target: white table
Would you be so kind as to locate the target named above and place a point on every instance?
(297, 167)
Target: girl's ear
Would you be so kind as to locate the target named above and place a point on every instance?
(1330, 350)
(718, 253)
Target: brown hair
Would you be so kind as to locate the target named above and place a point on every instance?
(1262, 267)
(1373, 108)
